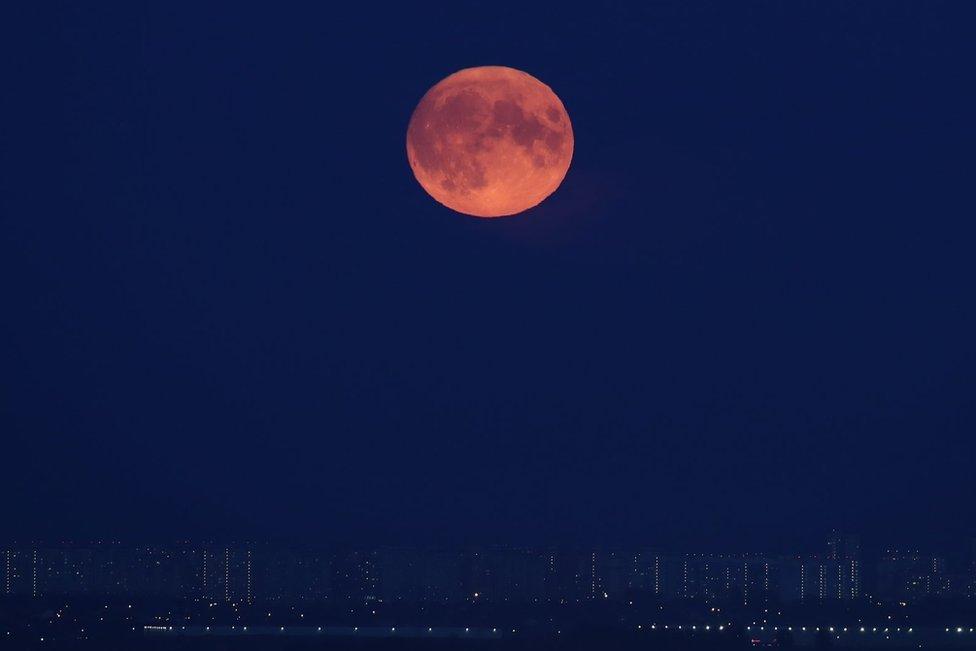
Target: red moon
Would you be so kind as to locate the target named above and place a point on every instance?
(490, 141)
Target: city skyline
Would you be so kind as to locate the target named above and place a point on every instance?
(238, 572)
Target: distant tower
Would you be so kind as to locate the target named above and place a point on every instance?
(803, 582)
(657, 574)
(766, 579)
(852, 565)
(972, 573)
(833, 546)
(203, 575)
(745, 583)
(593, 575)
(226, 574)
(845, 550)
(250, 593)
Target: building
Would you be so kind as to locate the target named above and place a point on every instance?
(907, 575)
(845, 549)
(971, 582)
(744, 580)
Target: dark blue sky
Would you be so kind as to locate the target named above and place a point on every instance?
(747, 316)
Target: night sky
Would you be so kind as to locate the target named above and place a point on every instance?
(746, 317)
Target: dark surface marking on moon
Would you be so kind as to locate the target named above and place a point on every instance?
(458, 116)
(554, 141)
(467, 118)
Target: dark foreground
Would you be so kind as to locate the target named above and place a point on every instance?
(257, 643)
(595, 641)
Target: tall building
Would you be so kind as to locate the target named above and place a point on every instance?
(8, 571)
(907, 575)
(819, 579)
(744, 580)
(971, 588)
(845, 550)
(647, 573)
(205, 583)
(227, 574)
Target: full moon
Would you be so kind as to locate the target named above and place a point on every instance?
(490, 141)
